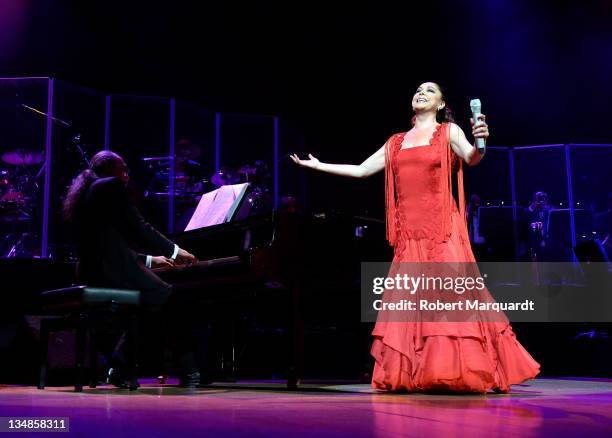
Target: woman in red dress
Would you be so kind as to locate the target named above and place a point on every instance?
(425, 225)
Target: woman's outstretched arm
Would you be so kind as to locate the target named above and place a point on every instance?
(375, 163)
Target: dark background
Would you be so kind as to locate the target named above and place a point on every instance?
(343, 74)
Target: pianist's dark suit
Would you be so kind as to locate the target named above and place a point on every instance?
(109, 233)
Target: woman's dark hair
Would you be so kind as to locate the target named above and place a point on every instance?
(102, 165)
(445, 115)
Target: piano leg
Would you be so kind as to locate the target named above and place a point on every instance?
(293, 381)
(296, 350)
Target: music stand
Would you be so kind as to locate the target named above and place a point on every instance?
(218, 206)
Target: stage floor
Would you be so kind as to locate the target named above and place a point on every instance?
(541, 407)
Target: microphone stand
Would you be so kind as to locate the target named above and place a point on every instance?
(76, 141)
(76, 138)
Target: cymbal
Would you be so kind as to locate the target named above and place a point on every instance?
(224, 177)
(156, 158)
(22, 157)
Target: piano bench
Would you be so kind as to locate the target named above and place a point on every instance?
(87, 310)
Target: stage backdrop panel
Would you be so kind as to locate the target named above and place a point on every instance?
(195, 129)
(544, 168)
(491, 181)
(25, 142)
(140, 128)
(591, 167)
(78, 133)
(291, 188)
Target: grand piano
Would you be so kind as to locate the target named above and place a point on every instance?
(306, 267)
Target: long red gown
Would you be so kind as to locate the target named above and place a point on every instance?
(424, 225)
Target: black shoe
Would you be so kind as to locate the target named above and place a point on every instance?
(115, 378)
(205, 380)
(190, 380)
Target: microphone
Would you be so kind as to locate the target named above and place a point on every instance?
(476, 106)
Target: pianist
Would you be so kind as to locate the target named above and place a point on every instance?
(111, 236)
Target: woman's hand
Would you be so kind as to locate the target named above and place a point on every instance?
(311, 163)
(480, 129)
(161, 262)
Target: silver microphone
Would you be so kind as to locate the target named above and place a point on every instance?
(476, 106)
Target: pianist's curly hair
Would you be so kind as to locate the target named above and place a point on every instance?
(101, 165)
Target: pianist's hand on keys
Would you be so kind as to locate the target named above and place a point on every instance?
(185, 258)
(161, 263)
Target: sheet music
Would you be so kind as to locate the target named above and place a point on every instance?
(217, 207)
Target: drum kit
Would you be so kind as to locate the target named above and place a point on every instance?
(18, 184)
(190, 181)
(18, 190)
